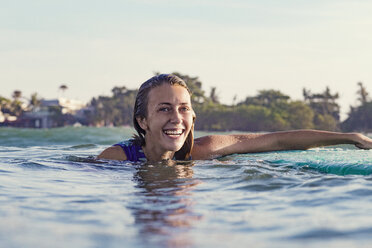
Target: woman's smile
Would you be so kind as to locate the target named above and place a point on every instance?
(173, 133)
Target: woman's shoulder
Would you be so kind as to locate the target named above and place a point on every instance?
(125, 150)
(213, 146)
(203, 147)
(115, 152)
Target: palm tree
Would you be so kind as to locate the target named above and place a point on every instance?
(17, 94)
(213, 95)
(363, 94)
(63, 88)
(35, 101)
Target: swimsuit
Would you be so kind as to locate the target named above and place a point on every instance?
(133, 152)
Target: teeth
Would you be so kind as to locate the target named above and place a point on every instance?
(171, 132)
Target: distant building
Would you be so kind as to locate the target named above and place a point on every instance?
(51, 113)
(68, 106)
(36, 119)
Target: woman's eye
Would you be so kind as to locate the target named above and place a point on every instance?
(185, 109)
(164, 109)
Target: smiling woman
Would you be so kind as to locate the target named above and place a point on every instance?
(164, 120)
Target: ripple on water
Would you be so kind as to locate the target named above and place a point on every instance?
(327, 233)
(320, 234)
(323, 181)
(37, 166)
(360, 192)
(82, 146)
(5, 171)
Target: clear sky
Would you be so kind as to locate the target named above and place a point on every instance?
(239, 46)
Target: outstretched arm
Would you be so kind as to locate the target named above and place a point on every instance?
(220, 145)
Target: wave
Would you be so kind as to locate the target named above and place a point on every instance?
(339, 161)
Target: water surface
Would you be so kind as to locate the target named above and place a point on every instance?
(54, 194)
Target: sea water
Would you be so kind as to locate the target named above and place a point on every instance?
(53, 193)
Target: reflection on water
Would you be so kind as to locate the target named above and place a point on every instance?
(163, 207)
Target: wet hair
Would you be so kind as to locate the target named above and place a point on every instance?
(140, 111)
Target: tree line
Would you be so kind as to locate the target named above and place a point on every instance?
(268, 110)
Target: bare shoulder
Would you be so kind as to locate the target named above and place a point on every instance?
(113, 153)
(199, 150)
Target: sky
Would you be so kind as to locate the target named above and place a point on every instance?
(238, 46)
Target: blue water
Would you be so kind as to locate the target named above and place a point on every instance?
(54, 194)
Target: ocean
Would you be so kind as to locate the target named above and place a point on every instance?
(53, 193)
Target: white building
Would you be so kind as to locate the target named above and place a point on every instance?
(69, 106)
(42, 117)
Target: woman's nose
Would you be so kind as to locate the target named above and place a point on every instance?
(176, 117)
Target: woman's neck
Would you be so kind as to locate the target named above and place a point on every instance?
(154, 155)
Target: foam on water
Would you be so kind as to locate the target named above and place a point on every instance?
(54, 193)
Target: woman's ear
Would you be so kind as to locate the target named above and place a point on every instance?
(142, 123)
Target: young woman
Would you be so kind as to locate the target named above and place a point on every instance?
(164, 120)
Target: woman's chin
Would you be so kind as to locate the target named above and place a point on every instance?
(174, 148)
(174, 144)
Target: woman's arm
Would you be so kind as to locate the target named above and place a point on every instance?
(220, 145)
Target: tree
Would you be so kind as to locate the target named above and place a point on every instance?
(63, 87)
(213, 95)
(17, 94)
(34, 101)
(116, 110)
(234, 99)
(360, 117)
(326, 122)
(5, 104)
(15, 107)
(119, 91)
(323, 103)
(325, 108)
(271, 97)
(300, 115)
(267, 98)
(363, 94)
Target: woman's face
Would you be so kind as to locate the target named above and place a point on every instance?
(169, 118)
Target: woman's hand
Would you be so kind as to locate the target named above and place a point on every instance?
(362, 141)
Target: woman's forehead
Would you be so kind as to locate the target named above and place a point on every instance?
(169, 94)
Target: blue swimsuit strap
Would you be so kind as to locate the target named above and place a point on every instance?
(132, 151)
